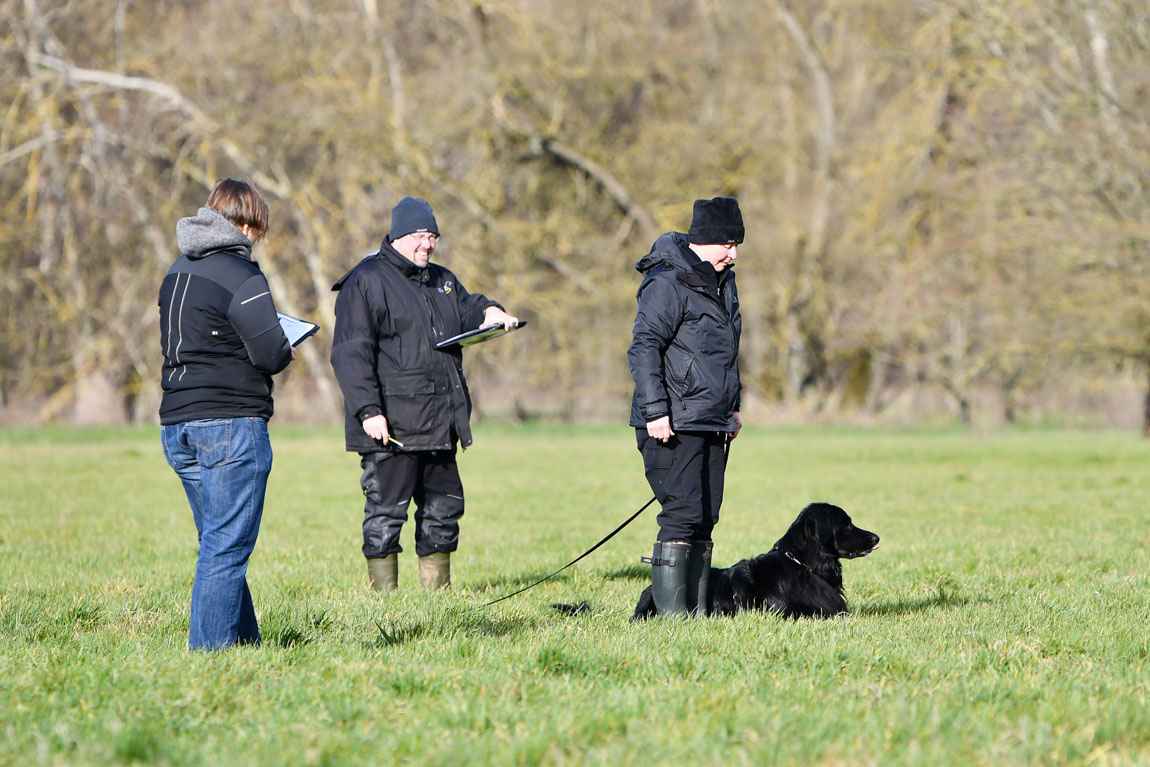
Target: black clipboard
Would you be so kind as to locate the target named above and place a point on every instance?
(295, 329)
(479, 335)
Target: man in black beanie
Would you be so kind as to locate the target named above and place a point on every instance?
(684, 357)
(406, 403)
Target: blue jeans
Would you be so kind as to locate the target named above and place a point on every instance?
(224, 465)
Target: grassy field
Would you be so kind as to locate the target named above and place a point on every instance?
(1004, 620)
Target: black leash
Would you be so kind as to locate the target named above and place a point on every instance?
(610, 535)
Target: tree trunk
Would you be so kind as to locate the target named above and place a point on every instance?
(1146, 406)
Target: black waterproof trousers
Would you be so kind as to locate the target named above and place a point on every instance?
(686, 475)
(391, 481)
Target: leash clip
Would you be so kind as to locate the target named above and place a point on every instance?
(795, 559)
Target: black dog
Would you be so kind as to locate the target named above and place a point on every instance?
(799, 577)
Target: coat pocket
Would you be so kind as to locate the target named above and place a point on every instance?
(656, 454)
(678, 375)
(408, 385)
(410, 401)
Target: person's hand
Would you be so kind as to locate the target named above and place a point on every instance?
(738, 424)
(376, 427)
(493, 315)
(293, 352)
(660, 428)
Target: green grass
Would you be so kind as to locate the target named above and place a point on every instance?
(1004, 620)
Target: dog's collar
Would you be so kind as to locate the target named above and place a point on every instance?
(794, 559)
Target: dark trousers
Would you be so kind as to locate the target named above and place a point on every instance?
(686, 475)
(391, 481)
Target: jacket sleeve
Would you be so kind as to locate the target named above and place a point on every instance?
(737, 320)
(657, 320)
(253, 314)
(472, 306)
(353, 351)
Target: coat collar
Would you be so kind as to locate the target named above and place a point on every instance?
(390, 255)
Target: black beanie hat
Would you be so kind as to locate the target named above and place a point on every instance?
(411, 214)
(716, 222)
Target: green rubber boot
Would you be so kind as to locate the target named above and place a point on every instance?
(435, 570)
(383, 574)
(698, 576)
(669, 569)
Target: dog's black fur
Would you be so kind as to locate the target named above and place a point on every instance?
(800, 577)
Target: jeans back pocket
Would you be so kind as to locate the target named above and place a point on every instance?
(212, 440)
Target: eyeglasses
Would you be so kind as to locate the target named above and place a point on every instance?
(425, 237)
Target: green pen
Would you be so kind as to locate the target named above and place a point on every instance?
(394, 441)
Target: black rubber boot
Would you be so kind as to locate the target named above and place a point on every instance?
(698, 575)
(669, 576)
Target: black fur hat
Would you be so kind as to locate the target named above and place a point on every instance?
(716, 222)
(411, 214)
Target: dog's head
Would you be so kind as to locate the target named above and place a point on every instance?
(823, 531)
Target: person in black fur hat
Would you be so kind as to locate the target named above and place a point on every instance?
(684, 357)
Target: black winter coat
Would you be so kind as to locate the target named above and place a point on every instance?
(219, 331)
(684, 353)
(389, 315)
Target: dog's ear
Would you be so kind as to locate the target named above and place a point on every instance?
(817, 542)
(820, 541)
(805, 536)
(796, 537)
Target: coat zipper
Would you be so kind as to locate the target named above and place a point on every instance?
(436, 334)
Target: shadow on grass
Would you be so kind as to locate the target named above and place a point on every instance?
(296, 630)
(905, 606)
(630, 572)
(462, 622)
(442, 622)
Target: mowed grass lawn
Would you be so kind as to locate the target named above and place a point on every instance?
(1004, 620)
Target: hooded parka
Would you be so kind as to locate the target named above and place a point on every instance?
(389, 314)
(685, 344)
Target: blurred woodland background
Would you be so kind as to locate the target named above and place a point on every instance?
(947, 203)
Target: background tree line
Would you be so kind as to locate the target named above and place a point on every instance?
(946, 202)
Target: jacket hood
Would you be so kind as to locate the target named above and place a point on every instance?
(340, 282)
(208, 232)
(673, 251)
(670, 249)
